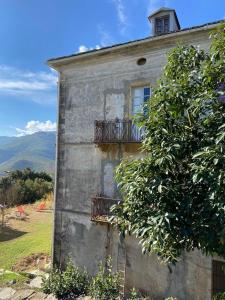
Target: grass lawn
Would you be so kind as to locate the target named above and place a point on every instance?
(19, 278)
(20, 238)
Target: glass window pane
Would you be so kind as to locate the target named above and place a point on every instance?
(159, 25)
(146, 94)
(139, 96)
(166, 24)
(137, 101)
(162, 24)
(146, 91)
(136, 109)
(138, 92)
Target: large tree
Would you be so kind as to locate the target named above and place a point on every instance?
(174, 197)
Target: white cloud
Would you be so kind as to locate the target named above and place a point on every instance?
(22, 85)
(36, 126)
(83, 48)
(35, 86)
(122, 17)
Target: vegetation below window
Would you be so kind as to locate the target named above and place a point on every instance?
(74, 282)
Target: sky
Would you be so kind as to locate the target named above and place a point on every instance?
(33, 31)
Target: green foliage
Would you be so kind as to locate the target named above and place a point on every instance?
(134, 295)
(67, 284)
(105, 285)
(22, 187)
(220, 296)
(18, 278)
(74, 282)
(174, 196)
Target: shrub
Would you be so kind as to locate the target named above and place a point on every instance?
(67, 284)
(134, 295)
(182, 171)
(23, 187)
(220, 296)
(105, 285)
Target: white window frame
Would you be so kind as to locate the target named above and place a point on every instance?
(139, 87)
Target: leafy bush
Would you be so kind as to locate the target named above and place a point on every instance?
(220, 296)
(22, 187)
(170, 195)
(105, 285)
(134, 295)
(67, 284)
(73, 282)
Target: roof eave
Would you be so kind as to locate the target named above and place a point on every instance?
(57, 62)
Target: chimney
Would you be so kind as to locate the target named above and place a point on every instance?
(164, 20)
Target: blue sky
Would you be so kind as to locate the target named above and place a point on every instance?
(32, 31)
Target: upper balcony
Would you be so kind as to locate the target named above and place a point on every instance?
(117, 131)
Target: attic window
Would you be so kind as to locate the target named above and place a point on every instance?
(162, 25)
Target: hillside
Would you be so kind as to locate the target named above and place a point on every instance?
(6, 139)
(36, 151)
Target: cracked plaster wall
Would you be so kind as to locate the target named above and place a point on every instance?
(97, 89)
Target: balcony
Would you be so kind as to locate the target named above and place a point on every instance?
(117, 131)
(100, 208)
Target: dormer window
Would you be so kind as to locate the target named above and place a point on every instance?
(162, 25)
(164, 20)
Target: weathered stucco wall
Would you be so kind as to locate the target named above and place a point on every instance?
(189, 279)
(99, 88)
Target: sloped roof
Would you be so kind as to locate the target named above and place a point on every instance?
(165, 9)
(161, 10)
(67, 58)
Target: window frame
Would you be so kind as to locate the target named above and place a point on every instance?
(162, 19)
(136, 86)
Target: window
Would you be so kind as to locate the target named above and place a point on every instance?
(162, 25)
(139, 96)
(218, 277)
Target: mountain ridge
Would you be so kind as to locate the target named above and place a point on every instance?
(35, 151)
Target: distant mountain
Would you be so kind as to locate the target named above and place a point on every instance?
(6, 139)
(35, 151)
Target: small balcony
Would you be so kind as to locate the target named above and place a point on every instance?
(100, 208)
(117, 131)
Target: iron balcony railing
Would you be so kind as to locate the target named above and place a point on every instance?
(117, 131)
(100, 208)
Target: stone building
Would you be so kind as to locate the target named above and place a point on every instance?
(99, 91)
